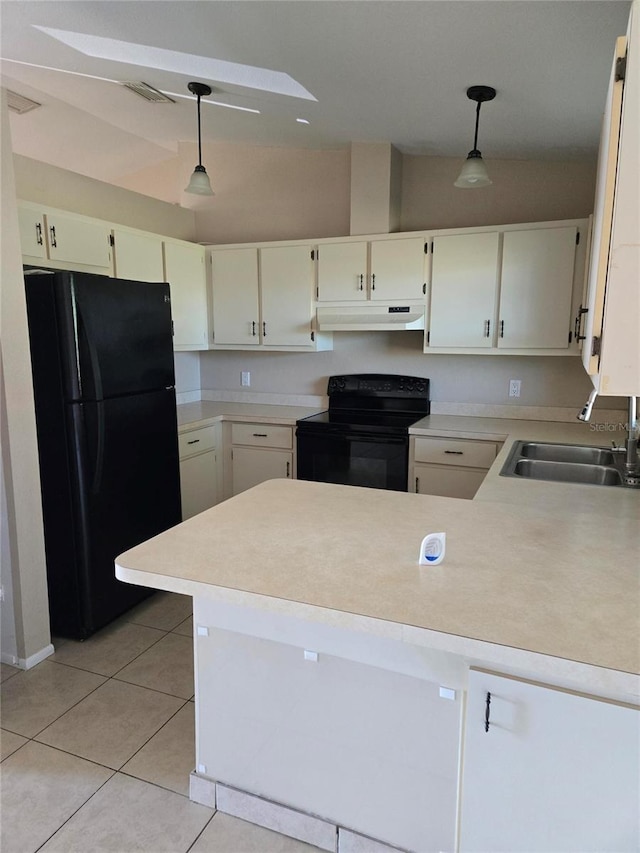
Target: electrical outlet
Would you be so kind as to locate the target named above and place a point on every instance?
(514, 387)
(245, 380)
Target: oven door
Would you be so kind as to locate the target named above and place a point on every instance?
(353, 459)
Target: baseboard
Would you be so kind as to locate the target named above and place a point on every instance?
(31, 661)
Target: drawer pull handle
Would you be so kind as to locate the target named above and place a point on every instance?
(417, 486)
(455, 452)
(361, 282)
(288, 468)
(38, 234)
(502, 328)
(487, 711)
(373, 281)
(52, 232)
(260, 435)
(264, 329)
(487, 328)
(194, 441)
(253, 328)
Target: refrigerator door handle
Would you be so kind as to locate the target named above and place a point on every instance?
(99, 462)
(83, 326)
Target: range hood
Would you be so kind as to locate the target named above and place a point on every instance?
(370, 318)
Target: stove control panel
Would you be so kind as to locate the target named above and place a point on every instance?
(379, 384)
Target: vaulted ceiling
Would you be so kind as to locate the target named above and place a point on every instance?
(387, 70)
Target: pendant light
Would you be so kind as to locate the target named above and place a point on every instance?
(474, 172)
(199, 183)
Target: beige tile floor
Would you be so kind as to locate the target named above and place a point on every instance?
(97, 743)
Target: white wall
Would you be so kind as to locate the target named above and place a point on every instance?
(49, 185)
(546, 381)
(23, 559)
(522, 191)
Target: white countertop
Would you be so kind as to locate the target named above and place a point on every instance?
(194, 415)
(534, 572)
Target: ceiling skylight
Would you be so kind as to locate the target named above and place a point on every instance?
(202, 67)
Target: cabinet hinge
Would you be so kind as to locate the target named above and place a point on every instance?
(595, 345)
(313, 255)
(428, 336)
(570, 337)
(313, 336)
(112, 240)
(317, 293)
(432, 247)
(621, 68)
(426, 248)
(577, 238)
(424, 288)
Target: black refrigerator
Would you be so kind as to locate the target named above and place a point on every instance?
(104, 387)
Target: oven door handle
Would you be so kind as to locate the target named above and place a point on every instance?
(371, 438)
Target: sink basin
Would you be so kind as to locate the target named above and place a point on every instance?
(566, 453)
(563, 463)
(567, 472)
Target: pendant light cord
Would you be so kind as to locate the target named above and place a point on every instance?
(200, 139)
(475, 138)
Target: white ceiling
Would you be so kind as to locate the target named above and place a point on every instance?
(387, 70)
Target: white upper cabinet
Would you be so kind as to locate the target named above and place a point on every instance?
(513, 290)
(536, 288)
(463, 290)
(611, 355)
(342, 272)
(263, 298)
(397, 269)
(185, 270)
(32, 237)
(64, 240)
(236, 301)
(287, 295)
(137, 256)
(384, 270)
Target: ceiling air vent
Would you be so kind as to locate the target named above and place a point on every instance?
(149, 93)
(19, 104)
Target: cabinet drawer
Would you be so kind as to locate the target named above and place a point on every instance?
(262, 435)
(196, 441)
(455, 451)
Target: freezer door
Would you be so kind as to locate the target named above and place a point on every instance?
(116, 336)
(127, 489)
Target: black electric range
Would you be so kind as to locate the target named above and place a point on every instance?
(363, 438)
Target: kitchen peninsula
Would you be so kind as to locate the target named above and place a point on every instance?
(343, 691)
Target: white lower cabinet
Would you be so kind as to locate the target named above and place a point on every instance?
(260, 452)
(198, 470)
(554, 772)
(449, 467)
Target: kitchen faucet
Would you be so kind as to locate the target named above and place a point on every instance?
(630, 468)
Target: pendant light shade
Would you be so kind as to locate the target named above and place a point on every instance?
(474, 172)
(199, 183)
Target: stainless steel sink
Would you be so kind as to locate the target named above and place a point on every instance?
(567, 472)
(563, 463)
(566, 453)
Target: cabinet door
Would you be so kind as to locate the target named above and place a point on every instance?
(397, 269)
(77, 240)
(447, 481)
(463, 290)
(31, 225)
(286, 281)
(555, 771)
(185, 272)
(235, 296)
(536, 288)
(342, 272)
(603, 213)
(137, 256)
(198, 483)
(253, 465)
